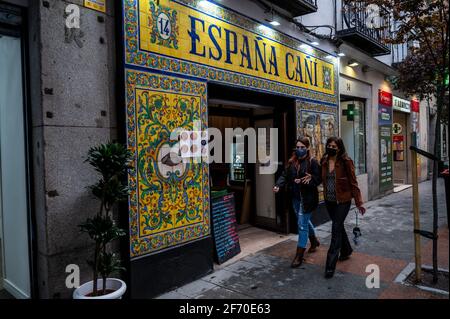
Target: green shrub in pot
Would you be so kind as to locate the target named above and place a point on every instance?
(111, 161)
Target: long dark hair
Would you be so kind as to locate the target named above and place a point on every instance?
(342, 154)
(305, 141)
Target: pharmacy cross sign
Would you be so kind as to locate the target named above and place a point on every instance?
(397, 128)
(350, 112)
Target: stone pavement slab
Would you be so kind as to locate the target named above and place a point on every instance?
(396, 291)
(195, 288)
(389, 268)
(387, 241)
(222, 293)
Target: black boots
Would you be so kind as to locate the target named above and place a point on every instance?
(329, 273)
(344, 257)
(298, 260)
(314, 243)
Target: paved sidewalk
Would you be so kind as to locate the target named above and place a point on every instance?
(387, 241)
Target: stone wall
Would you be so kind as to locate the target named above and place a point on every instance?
(72, 97)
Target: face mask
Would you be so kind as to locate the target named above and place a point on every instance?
(331, 151)
(301, 152)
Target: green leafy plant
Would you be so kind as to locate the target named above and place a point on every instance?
(111, 161)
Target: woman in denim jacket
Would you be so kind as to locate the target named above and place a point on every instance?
(302, 176)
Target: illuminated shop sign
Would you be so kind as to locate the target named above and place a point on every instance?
(99, 5)
(188, 34)
(401, 105)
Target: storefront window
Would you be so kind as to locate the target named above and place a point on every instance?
(353, 132)
(237, 169)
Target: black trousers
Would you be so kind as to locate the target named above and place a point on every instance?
(339, 239)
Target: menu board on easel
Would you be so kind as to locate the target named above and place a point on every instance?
(223, 216)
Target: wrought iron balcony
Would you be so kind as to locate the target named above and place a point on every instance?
(399, 53)
(364, 28)
(297, 7)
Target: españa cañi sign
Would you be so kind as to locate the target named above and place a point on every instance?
(176, 30)
(99, 5)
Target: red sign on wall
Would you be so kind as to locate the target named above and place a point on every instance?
(385, 98)
(397, 138)
(415, 106)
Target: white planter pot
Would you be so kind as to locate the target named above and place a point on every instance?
(115, 284)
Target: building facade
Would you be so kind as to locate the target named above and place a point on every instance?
(135, 71)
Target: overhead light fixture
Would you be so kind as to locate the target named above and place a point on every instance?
(205, 4)
(265, 28)
(273, 21)
(341, 54)
(352, 63)
(312, 40)
(306, 48)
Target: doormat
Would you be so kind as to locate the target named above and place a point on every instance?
(408, 275)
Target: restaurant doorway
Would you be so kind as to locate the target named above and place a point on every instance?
(255, 202)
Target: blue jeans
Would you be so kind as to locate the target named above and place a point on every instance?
(305, 226)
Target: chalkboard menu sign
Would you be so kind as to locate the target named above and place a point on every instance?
(225, 235)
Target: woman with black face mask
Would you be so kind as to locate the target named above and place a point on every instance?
(302, 176)
(340, 186)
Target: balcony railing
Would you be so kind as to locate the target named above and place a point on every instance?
(364, 27)
(399, 53)
(297, 7)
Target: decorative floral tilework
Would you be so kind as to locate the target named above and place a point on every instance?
(169, 203)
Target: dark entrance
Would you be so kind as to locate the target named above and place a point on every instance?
(256, 204)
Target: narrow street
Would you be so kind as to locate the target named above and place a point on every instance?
(150, 149)
(387, 241)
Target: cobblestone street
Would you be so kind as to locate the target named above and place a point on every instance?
(387, 241)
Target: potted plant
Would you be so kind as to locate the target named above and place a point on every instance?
(111, 161)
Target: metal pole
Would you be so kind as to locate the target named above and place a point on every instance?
(288, 153)
(415, 183)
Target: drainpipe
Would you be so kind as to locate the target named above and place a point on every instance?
(335, 15)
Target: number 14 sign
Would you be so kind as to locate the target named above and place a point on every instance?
(99, 5)
(164, 27)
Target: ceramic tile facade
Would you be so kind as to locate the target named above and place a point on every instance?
(169, 203)
(166, 88)
(137, 19)
(318, 122)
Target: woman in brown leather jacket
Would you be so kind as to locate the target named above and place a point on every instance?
(340, 186)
